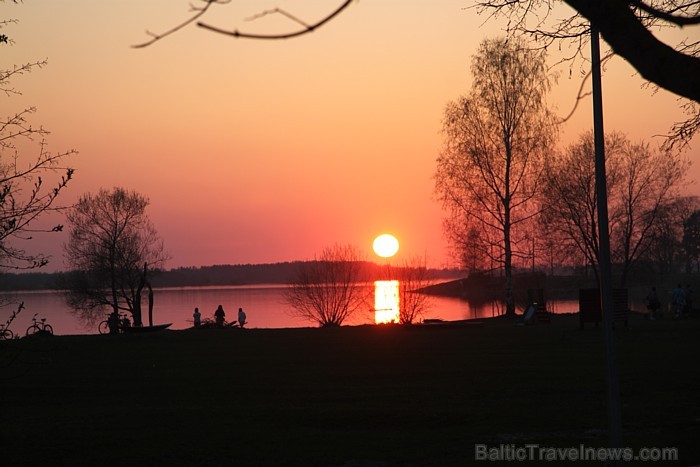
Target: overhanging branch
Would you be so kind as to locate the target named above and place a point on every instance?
(678, 20)
(306, 28)
(629, 38)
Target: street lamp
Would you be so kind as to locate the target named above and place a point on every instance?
(606, 291)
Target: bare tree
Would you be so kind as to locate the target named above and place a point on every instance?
(668, 251)
(468, 242)
(328, 290)
(641, 182)
(691, 242)
(31, 176)
(413, 275)
(555, 252)
(111, 238)
(495, 140)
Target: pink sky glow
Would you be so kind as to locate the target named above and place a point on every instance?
(254, 152)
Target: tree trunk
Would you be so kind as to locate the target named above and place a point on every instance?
(113, 277)
(507, 269)
(507, 265)
(136, 310)
(150, 304)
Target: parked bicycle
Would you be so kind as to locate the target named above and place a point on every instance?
(119, 325)
(5, 331)
(39, 326)
(6, 334)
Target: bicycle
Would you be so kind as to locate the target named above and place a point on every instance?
(105, 327)
(39, 326)
(6, 334)
(5, 331)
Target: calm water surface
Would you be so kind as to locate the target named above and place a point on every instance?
(264, 305)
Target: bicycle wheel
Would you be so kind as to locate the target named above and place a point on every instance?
(33, 329)
(7, 334)
(48, 328)
(103, 328)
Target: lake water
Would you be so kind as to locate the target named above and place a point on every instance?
(264, 305)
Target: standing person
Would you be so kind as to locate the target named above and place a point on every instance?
(678, 301)
(113, 323)
(219, 315)
(653, 303)
(241, 317)
(197, 317)
(688, 308)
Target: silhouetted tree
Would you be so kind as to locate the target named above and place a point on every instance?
(328, 290)
(469, 243)
(691, 241)
(556, 251)
(31, 176)
(413, 275)
(667, 252)
(640, 182)
(495, 141)
(111, 237)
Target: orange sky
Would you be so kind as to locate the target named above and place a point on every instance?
(268, 151)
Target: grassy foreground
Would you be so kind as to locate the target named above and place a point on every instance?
(352, 396)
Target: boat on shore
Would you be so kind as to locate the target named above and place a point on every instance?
(446, 323)
(146, 329)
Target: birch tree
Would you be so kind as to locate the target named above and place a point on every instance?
(494, 143)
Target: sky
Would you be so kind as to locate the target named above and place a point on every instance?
(257, 152)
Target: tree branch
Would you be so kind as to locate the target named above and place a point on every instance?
(199, 12)
(305, 28)
(197, 15)
(664, 15)
(629, 38)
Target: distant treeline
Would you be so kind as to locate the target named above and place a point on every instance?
(226, 274)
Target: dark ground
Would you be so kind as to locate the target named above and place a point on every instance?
(351, 396)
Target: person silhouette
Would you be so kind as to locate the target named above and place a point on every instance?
(241, 317)
(678, 301)
(653, 303)
(219, 314)
(197, 317)
(688, 296)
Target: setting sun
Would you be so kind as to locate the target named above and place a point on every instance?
(385, 245)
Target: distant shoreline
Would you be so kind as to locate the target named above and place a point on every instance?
(204, 276)
(475, 288)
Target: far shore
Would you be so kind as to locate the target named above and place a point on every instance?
(484, 288)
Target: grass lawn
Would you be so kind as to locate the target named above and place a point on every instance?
(351, 396)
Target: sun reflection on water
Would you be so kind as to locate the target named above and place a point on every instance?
(386, 302)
